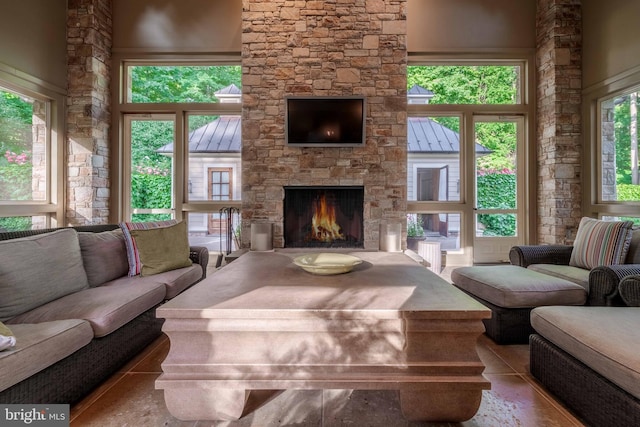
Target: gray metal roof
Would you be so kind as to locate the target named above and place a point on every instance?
(223, 135)
(427, 136)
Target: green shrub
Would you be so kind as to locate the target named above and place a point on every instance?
(628, 192)
(497, 190)
(150, 192)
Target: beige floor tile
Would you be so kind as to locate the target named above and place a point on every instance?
(132, 401)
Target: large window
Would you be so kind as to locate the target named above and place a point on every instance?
(466, 142)
(181, 145)
(29, 158)
(619, 148)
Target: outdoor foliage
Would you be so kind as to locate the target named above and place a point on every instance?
(497, 190)
(628, 192)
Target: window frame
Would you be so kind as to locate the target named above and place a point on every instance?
(525, 108)
(593, 98)
(51, 208)
(181, 111)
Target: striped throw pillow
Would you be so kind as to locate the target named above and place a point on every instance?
(601, 243)
(133, 256)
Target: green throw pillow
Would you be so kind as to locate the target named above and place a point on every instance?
(162, 249)
(7, 339)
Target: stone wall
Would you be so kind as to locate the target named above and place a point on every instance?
(89, 34)
(559, 121)
(336, 48)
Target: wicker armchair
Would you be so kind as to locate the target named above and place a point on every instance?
(603, 280)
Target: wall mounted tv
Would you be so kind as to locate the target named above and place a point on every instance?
(318, 121)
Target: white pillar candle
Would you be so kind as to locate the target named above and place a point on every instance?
(261, 237)
(390, 237)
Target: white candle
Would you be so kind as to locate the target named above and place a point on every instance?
(390, 237)
(261, 237)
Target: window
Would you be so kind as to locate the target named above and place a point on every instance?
(466, 143)
(620, 178)
(181, 145)
(28, 158)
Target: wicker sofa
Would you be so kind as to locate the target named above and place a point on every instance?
(601, 282)
(589, 357)
(74, 339)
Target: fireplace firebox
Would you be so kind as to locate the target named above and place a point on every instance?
(323, 217)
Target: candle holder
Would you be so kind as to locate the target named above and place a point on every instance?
(261, 236)
(391, 237)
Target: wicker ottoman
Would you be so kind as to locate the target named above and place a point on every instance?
(511, 292)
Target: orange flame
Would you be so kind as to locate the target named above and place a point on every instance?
(323, 224)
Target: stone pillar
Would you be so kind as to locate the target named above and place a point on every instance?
(324, 48)
(559, 122)
(89, 36)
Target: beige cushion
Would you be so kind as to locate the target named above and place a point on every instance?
(39, 346)
(37, 269)
(601, 243)
(604, 338)
(180, 279)
(162, 249)
(104, 256)
(576, 275)
(510, 286)
(105, 307)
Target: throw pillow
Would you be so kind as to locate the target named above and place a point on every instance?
(7, 339)
(132, 251)
(104, 256)
(162, 249)
(37, 269)
(601, 243)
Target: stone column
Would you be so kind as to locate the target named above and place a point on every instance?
(559, 121)
(89, 36)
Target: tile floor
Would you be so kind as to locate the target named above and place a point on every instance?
(515, 399)
(129, 398)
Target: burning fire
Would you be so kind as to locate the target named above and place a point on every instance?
(323, 224)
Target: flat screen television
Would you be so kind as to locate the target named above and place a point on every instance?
(318, 121)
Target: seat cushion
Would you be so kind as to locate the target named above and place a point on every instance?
(106, 307)
(510, 286)
(28, 263)
(178, 280)
(41, 345)
(576, 275)
(604, 338)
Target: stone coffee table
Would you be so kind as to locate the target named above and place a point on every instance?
(261, 325)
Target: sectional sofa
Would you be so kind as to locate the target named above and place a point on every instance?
(76, 313)
(589, 357)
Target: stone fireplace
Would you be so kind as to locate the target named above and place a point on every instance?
(323, 217)
(324, 48)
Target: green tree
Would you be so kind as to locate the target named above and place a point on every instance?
(181, 83)
(464, 84)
